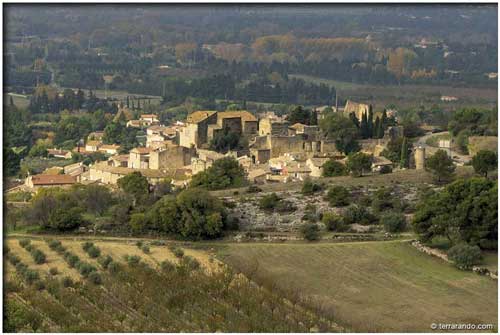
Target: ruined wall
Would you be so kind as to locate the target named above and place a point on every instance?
(170, 158)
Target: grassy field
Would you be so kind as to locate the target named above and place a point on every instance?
(409, 96)
(148, 295)
(372, 286)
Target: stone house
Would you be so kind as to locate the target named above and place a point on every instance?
(194, 133)
(110, 149)
(92, 146)
(34, 182)
(59, 153)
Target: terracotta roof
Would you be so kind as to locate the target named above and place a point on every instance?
(46, 179)
(244, 115)
(149, 116)
(93, 143)
(199, 116)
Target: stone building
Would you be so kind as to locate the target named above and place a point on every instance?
(273, 126)
(241, 122)
(34, 182)
(357, 108)
(194, 133)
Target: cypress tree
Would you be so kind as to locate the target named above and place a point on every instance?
(364, 126)
(376, 128)
(404, 163)
(128, 102)
(370, 123)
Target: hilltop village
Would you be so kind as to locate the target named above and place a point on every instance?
(274, 150)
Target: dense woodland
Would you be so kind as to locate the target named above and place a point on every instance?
(250, 55)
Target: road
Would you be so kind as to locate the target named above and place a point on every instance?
(458, 158)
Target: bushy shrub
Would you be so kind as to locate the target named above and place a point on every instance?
(113, 267)
(94, 252)
(105, 261)
(254, 189)
(145, 249)
(39, 285)
(53, 271)
(158, 243)
(86, 269)
(13, 259)
(464, 255)
(338, 196)
(393, 222)
(190, 263)
(67, 282)
(310, 231)
(38, 256)
(24, 242)
(31, 276)
(72, 260)
(139, 244)
(21, 267)
(6, 249)
(95, 278)
(332, 168)
(334, 222)
(269, 201)
(87, 245)
(178, 252)
(132, 260)
(54, 244)
(167, 266)
(310, 213)
(285, 206)
(309, 187)
(358, 214)
(60, 249)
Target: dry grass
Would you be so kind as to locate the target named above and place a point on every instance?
(373, 286)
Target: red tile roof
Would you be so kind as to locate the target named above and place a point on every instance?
(46, 179)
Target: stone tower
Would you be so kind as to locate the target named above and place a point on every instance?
(420, 158)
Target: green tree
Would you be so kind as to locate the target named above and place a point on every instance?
(224, 173)
(333, 168)
(465, 211)
(342, 130)
(310, 231)
(405, 154)
(63, 219)
(441, 165)
(201, 214)
(358, 163)
(338, 196)
(226, 140)
(134, 184)
(309, 187)
(484, 161)
(300, 115)
(393, 222)
(465, 256)
(334, 222)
